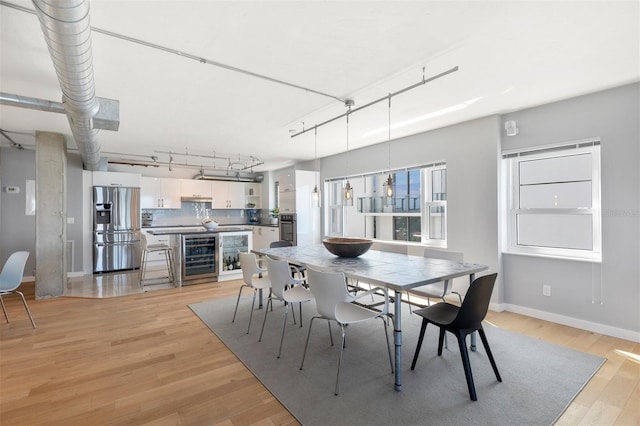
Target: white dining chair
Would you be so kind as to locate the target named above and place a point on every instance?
(253, 279)
(287, 289)
(440, 289)
(334, 303)
(11, 278)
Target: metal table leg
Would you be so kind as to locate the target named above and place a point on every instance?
(397, 338)
(474, 335)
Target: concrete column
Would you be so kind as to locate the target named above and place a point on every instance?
(51, 214)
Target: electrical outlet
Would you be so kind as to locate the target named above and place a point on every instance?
(546, 290)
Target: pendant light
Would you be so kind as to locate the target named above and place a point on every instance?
(389, 182)
(348, 190)
(315, 194)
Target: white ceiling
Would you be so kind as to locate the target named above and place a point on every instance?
(510, 55)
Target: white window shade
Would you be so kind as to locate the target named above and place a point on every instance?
(553, 200)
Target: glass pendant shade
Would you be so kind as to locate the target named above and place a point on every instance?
(315, 197)
(348, 194)
(389, 185)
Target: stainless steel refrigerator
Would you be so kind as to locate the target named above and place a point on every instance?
(116, 228)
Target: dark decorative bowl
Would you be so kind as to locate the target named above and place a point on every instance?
(347, 247)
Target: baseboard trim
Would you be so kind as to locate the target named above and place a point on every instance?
(607, 330)
(75, 274)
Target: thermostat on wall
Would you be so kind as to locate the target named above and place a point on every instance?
(12, 189)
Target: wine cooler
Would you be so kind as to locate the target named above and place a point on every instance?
(229, 245)
(199, 258)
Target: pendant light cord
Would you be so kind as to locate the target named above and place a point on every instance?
(348, 111)
(389, 133)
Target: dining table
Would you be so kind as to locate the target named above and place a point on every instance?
(394, 271)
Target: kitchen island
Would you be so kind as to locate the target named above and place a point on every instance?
(202, 255)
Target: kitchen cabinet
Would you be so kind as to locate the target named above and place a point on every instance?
(287, 182)
(228, 195)
(252, 195)
(294, 189)
(160, 193)
(287, 202)
(263, 236)
(229, 245)
(294, 196)
(131, 180)
(196, 188)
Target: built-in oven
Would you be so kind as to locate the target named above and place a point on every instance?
(288, 228)
(199, 258)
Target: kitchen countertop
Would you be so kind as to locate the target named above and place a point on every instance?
(193, 230)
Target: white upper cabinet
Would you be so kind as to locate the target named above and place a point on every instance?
(228, 195)
(287, 182)
(116, 179)
(160, 193)
(196, 188)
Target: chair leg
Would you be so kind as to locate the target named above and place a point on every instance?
(264, 321)
(423, 328)
(4, 309)
(284, 325)
(300, 314)
(441, 339)
(466, 364)
(485, 343)
(304, 353)
(24, 302)
(330, 333)
(386, 336)
(238, 301)
(340, 360)
(253, 304)
(142, 269)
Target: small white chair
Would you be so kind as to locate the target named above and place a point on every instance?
(333, 302)
(443, 288)
(11, 278)
(165, 249)
(284, 288)
(251, 276)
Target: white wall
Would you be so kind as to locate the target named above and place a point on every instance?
(602, 297)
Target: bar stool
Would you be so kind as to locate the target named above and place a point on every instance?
(166, 249)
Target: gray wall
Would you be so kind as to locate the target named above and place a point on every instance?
(18, 231)
(606, 293)
(471, 150)
(75, 205)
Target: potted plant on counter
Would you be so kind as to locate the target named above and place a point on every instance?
(274, 216)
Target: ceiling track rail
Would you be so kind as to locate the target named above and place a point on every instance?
(388, 97)
(190, 56)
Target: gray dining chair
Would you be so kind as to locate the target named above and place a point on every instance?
(461, 321)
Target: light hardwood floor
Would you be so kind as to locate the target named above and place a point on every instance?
(145, 358)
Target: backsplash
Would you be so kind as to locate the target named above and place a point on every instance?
(193, 213)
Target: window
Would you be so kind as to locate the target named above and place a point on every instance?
(415, 213)
(553, 201)
(334, 191)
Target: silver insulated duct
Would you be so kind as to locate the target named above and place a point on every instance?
(67, 32)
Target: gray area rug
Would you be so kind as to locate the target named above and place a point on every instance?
(539, 379)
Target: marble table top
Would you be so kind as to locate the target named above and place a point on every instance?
(396, 271)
